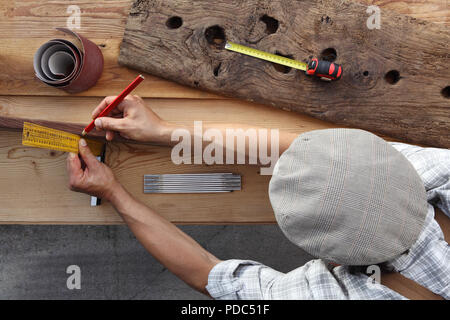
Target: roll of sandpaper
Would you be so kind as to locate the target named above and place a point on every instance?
(73, 66)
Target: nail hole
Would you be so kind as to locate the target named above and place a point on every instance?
(446, 92)
(325, 19)
(280, 67)
(216, 69)
(366, 73)
(329, 54)
(271, 24)
(392, 77)
(215, 36)
(196, 83)
(174, 22)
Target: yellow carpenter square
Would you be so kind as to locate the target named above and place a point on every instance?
(42, 137)
(266, 56)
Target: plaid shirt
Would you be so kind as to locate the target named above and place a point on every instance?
(427, 262)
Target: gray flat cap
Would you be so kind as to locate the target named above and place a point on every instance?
(348, 196)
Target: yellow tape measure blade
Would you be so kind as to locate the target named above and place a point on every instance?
(266, 56)
(47, 138)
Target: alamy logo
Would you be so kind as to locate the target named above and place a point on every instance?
(375, 275)
(74, 21)
(74, 280)
(234, 142)
(374, 21)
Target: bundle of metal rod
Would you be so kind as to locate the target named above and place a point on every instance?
(191, 183)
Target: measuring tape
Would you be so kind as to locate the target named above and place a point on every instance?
(321, 68)
(42, 137)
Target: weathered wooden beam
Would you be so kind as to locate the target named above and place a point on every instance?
(396, 79)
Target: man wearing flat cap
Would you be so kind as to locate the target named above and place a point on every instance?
(345, 196)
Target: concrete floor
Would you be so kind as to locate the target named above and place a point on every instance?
(33, 260)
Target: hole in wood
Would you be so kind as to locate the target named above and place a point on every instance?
(280, 67)
(366, 73)
(215, 36)
(174, 22)
(325, 19)
(217, 69)
(271, 24)
(392, 77)
(329, 54)
(446, 92)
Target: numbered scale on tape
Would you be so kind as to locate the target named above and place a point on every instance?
(325, 70)
(42, 137)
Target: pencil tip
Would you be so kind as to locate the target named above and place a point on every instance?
(83, 133)
(141, 76)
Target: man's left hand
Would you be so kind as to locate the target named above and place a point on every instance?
(94, 177)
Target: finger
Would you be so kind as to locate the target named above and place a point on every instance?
(109, 135)
(116, 116)
(109, 123)
(105, 102)
(74, 169)
(89, 159)
(118, 109)
(125, 136)
(73, 163)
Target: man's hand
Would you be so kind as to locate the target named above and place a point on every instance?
(88, 175)
(132, 119)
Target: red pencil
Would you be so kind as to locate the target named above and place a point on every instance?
(114, 104)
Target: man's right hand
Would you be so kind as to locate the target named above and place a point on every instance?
(132, 119)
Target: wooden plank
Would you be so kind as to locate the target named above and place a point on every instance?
(34, 189)
(18, 78)
(106, 18)
(77, 110)
(414, 108)
(36, 18)
(26, 24)
(407, 287)
(44, 197)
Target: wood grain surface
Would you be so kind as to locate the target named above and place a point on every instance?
(34, 188)
(25, 25)
(179, 111)
(33, 181)
(45, 174)
(72, 114)
(413, 109)
(437, 11)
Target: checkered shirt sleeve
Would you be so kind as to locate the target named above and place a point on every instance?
(427, 262)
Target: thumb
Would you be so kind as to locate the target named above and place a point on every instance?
(108, 123)
(89, 159)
